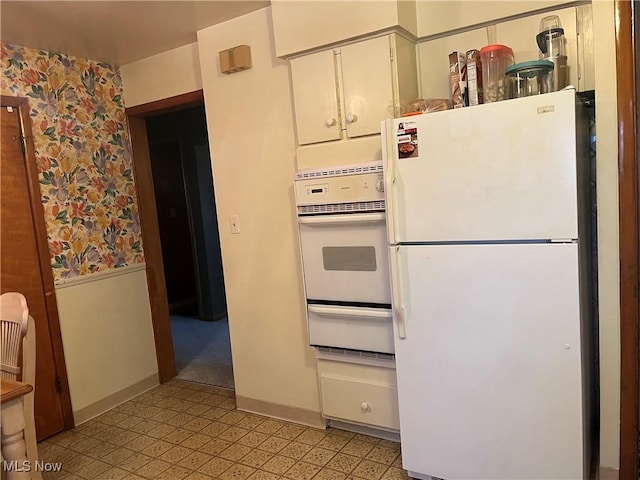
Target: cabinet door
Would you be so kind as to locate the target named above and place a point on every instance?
(520, 35)
(315, 97)
(367, 85)
(586, 60)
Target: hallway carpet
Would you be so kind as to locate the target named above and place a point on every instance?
(202, 351)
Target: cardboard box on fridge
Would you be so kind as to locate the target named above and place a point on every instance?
(474, 77)
(458, 79)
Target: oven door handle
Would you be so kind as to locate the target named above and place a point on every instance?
(353, 218)
(331, 311)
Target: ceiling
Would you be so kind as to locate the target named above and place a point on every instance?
(116, 32)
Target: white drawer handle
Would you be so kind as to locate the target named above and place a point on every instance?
(331, 311)
(330, 220)
(352, 118)
(365, 407)
(330, 122)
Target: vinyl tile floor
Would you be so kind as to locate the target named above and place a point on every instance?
(189, 431)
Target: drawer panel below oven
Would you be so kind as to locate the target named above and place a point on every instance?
(359, 393)
(355, 328)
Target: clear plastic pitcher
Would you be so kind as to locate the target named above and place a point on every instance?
(495, 60)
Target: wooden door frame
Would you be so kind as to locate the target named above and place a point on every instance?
(44, 258)
(629, 217)
(143, 178)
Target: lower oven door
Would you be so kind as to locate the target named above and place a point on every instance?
(345, 257)
(355, 328)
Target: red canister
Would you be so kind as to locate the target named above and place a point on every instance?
(495, 60)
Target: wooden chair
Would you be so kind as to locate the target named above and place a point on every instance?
(18, 361)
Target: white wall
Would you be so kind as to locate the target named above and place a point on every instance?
(250, 122)
(608, 243)
(107, 337)
(251, 138)
(162, 76)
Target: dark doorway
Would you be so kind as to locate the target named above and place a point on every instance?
(192, 262)
(175, 225)
(187, 218)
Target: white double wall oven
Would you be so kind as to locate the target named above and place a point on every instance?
(343, 241)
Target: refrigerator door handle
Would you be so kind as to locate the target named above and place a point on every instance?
(399, 312)
(389, 164)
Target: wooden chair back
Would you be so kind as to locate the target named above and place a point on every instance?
(14, 320)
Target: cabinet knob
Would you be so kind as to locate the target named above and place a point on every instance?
(352, 118)
(330, 122)
(365, 407)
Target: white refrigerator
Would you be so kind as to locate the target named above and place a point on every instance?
(489, 261)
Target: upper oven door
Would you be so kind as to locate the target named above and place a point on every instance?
(345, 257)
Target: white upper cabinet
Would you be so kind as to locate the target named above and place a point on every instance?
(315, 97)
(578, 33)
(367, 85)
(440, 16)
(520, 35)
(345, 92)
(586, 59)
(433, 58)
(303, 25)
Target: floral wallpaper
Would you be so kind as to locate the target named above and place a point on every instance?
(83, 155)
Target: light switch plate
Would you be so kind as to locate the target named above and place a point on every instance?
(234, 221)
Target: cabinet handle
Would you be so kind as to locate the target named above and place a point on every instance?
(365, 407)
(330, 122)
(352, 118)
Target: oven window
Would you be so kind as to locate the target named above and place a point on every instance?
(353, 259)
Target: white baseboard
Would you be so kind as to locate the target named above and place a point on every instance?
(98, 408)
(281, 412)
(371, 431)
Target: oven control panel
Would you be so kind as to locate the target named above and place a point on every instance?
(317, 190)
(364, 187)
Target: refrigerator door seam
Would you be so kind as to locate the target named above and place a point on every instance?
(491, 242)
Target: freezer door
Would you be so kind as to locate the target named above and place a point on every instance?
(500, 171)
(489, 369)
